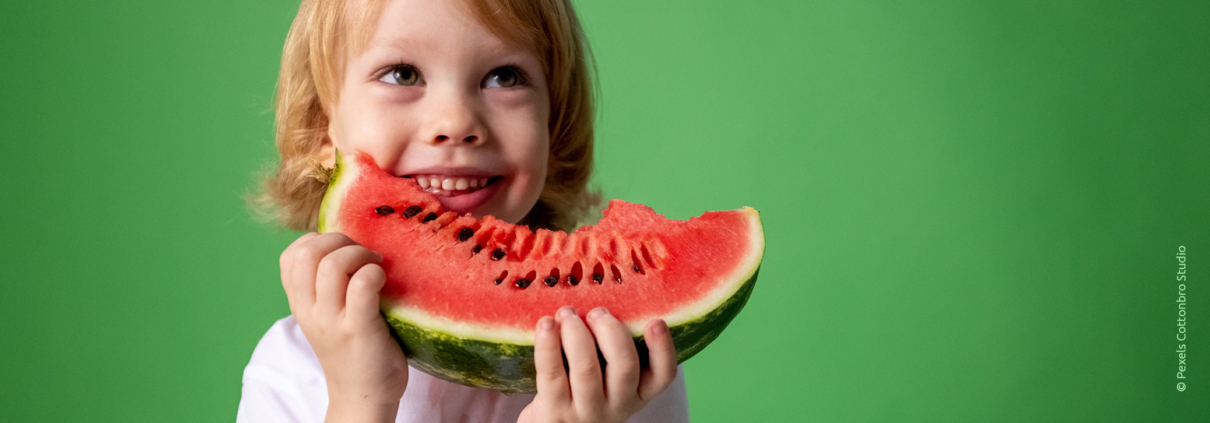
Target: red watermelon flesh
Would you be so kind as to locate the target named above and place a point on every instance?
(453, 279)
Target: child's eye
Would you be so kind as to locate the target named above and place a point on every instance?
(402, 75)
(504, 77)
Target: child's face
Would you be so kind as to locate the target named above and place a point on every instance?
(437, 97)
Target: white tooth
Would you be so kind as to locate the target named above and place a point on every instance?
(424, 183)
(474, 183)
(447, 185)
(483, 182)
(461, 184)
(435, 183)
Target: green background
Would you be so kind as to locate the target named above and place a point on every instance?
(972, 209)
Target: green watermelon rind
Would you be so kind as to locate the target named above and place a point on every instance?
(509, 367)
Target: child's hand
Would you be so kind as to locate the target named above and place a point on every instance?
(585, 395)
(332, 284)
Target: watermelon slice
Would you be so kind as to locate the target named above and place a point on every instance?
(463, 295)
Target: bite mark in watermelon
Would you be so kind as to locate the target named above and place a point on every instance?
(463, 295)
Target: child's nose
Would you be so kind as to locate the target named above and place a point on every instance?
(454, 121)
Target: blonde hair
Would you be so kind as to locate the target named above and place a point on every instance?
(312, 66)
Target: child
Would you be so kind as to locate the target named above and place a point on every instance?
(487, 104)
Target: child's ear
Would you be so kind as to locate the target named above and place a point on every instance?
(326, 155)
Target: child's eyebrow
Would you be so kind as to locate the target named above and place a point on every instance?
(399, 44)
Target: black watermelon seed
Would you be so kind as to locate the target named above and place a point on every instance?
(523, 283)
(573, 280)
(429, 218)
(411, 211)
(476, 250)
(498, 254)
(551, 280)
(466, 233)
(598, 278)
(637, 269)
(498, 281)
(384, 210)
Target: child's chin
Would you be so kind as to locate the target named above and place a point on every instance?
(472, 202)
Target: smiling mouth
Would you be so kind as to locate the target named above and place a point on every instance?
(453, 185)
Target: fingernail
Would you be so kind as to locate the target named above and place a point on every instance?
(597, 312)
(567, 311)
(546, 323)
(659, 328)
(379, 256)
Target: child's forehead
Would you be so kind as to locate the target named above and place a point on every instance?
(426, 25)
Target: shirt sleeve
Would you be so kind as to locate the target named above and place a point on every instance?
(283, 381)
(671, 406)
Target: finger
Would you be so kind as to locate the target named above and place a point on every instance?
(622, 361)
(287, 258)
(661, 361)
(332, 276)
(305, 264)
(362, 302)
(584, 370)
(548, 361)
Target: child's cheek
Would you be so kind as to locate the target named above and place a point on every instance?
(525, 143)
(378, 125)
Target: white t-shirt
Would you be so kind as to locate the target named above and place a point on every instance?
(284, 383)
